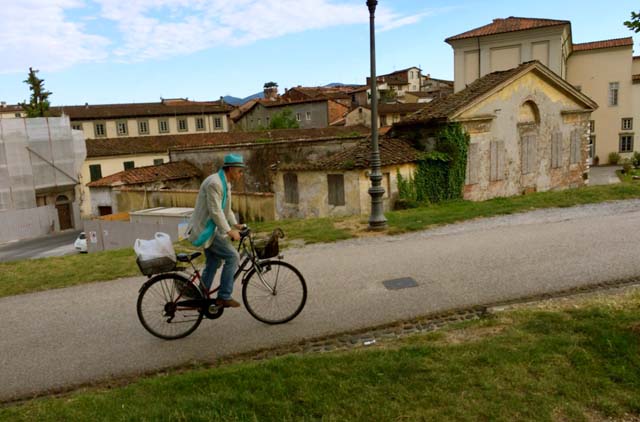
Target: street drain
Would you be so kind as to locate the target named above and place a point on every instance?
(400, 283)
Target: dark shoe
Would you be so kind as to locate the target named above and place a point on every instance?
(227, 303)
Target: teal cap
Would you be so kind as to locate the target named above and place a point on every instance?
(233, 160)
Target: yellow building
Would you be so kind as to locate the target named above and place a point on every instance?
(167, 117)
(602, 70)
(8, 111)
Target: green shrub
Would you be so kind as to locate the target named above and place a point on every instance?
(614, 158)
(636, 159)
(627, 166)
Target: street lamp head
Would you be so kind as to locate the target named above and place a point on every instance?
(372, 5)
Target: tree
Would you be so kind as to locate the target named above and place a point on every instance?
(38, 106)
(284, 120)
(634, 23)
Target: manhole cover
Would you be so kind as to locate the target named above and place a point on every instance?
(400, 283)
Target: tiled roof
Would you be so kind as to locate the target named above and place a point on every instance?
(162, 143)
(133, 110)
(334, 92)
(385, 108)
(11, 108)
(510, 24)
(616, 42)
(249, 105)
(392, 151)
(443, 107)
(163, 172)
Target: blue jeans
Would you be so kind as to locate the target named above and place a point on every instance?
(221, 250)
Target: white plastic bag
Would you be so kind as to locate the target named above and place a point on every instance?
(158, 247)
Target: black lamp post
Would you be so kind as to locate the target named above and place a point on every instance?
(377, 220)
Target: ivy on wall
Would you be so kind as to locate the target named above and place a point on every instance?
(440, 174)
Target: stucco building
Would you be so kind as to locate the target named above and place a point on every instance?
(602, 70)
(528, 129)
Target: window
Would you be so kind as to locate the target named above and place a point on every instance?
(291, 188)
(128, 165)
(556, 150)
(473, 164)
(259, 121)
(158, 161)
(163, 126)
(592, 126)
(18, 114)
(336, 188)
(627, 123)
(528, 159)
(199, 123)
(496, 170)
(76, 126)
(217, 123)
(308, 115)
(143, 127)
(576, 150)
(122, 128)
(99, 129)
(626, 143)
(182, 125)
(592, 146)
(298, 117)
(95, 171)
(614, 87)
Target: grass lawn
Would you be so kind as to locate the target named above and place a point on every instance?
(564, 360)
(47, 273)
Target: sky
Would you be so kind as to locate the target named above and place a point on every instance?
(115, 51)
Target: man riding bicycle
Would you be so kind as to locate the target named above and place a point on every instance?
(213, 225)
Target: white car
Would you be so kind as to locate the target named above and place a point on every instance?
(81, 243)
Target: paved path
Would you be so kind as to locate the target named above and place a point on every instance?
(603, 175)
(56, 244)
(61, 338)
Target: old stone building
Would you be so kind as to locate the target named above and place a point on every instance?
(528, 130)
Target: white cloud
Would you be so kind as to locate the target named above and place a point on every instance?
(38, 33)
(35, 33)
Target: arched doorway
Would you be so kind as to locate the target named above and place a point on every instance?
(63, 205)
(528, 127)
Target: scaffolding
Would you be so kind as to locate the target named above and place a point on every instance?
(37, 154)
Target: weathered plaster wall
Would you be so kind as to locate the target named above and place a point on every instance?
(509, 124)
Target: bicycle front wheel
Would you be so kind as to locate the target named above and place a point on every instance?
(275, 292)
(159, 310)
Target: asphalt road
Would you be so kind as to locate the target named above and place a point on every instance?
(56, 244)
(67, 337)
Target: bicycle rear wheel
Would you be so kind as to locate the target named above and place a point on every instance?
(276, 294)
(158, 310)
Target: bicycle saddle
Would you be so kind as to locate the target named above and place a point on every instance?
(183, 257)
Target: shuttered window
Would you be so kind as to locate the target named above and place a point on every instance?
(556, 150)
(473, 164)
(336, 189)
(528, 154)
(96, 172)
(291, 188)
(497, 161)
(575, 147)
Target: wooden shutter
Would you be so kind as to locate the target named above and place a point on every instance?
(473, 164)
(528, 153)
(497, 161)
(336, 189)
(556, 150)
(291, 188)
(575, 147)
(96, 172)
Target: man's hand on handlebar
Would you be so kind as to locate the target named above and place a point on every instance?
(235, 233)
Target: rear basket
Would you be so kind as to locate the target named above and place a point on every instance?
(156, 265)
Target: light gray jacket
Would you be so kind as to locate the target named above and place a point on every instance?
(209, 206)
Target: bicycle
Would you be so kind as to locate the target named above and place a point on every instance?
(172, 304)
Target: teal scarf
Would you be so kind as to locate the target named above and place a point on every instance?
(210, 227)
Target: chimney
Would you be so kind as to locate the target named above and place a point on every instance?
(3, 104)
(271, 91)
(86, 105)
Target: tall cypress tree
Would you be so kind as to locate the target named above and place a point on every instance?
(38, 106)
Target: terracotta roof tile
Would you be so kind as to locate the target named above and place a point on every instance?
(392, 151)
(385, 108)
(510, 24)
(616, 42)
(441, 108)
(163, 172)
(162, 143)
(139, 110)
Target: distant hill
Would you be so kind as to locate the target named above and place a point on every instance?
(238, 101)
